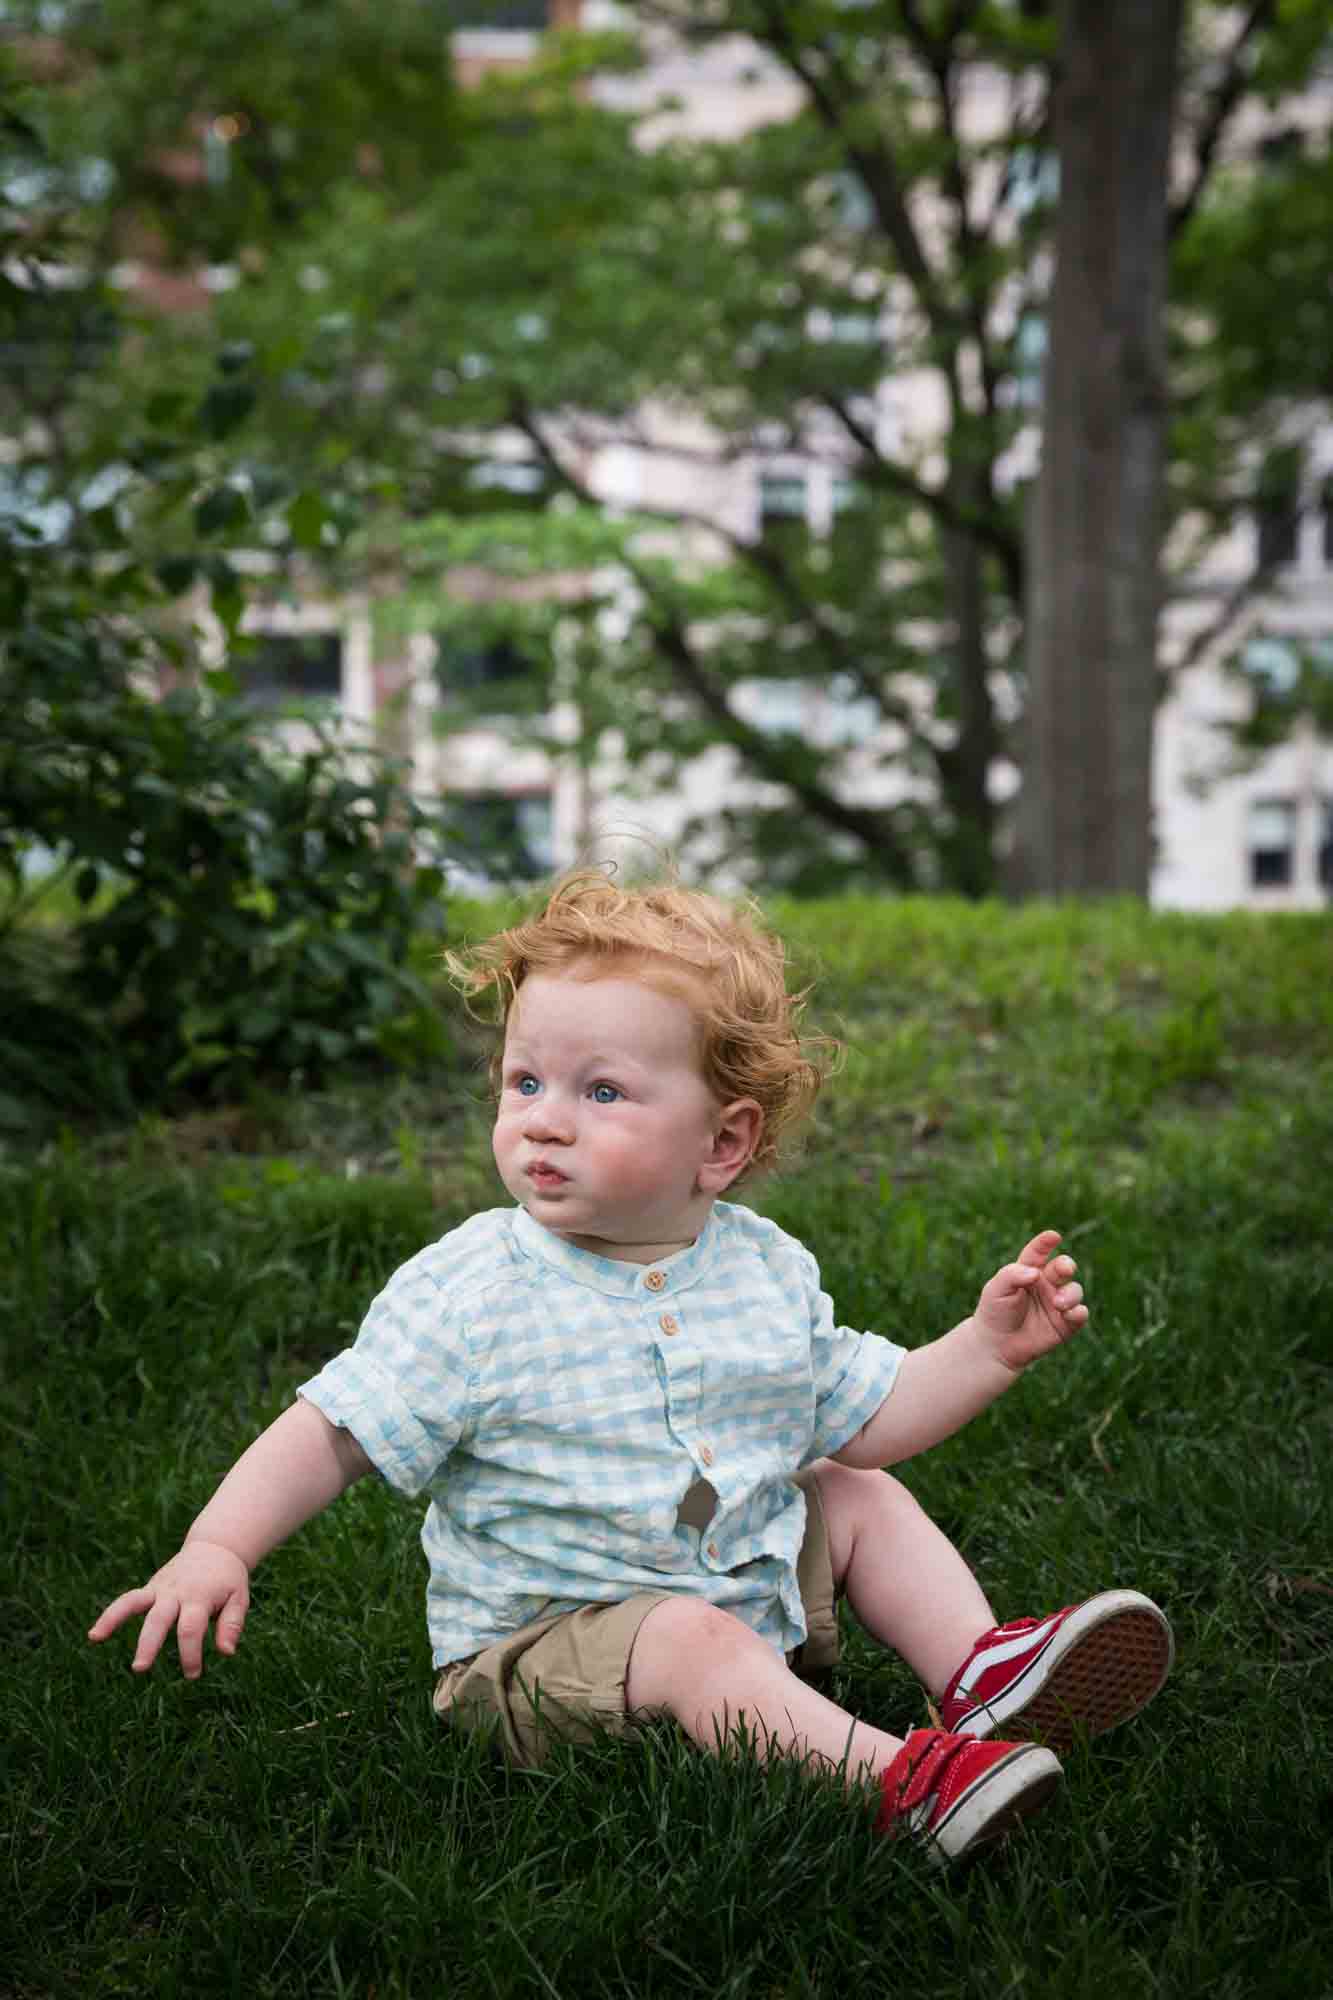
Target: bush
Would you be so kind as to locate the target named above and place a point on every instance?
(237, 910)
(241, 909)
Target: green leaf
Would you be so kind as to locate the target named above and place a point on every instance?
(235, 356)
(165, 408)
(225, 408)
(306, 517)
(258, 1024)
(177, 574)
(227, 594)
(198, 1059)
(219, 510)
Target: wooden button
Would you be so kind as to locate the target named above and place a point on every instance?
(656, 1281)
(706, 1454)
(713, 1550)
(669, 1323)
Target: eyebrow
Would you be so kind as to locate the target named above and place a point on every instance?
(518, 1053)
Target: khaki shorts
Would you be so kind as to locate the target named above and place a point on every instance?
(564, 1677)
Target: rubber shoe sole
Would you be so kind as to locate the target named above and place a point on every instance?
(999, 1801)
(1104, 1663)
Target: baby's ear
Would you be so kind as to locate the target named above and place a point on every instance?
(735, 1138)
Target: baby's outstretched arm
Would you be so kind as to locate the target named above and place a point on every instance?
(291, 1472)
(1027, 1308)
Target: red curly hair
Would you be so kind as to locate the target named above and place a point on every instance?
(718, 958)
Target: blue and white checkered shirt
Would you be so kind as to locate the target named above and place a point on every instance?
(557, 1406)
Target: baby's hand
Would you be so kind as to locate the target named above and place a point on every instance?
(202, 1581)
(1029, 1307)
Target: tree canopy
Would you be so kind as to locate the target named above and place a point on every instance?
(443, 305)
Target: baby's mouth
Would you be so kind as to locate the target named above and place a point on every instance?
(543, 1175)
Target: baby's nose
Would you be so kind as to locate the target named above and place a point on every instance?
(548, 1118)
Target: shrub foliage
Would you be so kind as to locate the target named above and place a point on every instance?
(240, 908)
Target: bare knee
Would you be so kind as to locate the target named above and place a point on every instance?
(856, 1501)
(681, 1642)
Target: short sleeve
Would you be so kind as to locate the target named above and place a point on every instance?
(853, 1373)
(403, 1388)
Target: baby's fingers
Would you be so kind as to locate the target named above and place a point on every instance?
(161, 1608)
(130, 1604)
(192, 1625)
(231, 1623)
(1039, 1249)
(156, 1625)
(1011, 1278)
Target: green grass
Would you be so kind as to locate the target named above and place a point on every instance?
(296, 1822)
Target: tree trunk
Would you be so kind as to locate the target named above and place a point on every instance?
(968, 845)
(1084, 822)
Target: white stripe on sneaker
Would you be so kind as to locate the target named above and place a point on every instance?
(996, 1655)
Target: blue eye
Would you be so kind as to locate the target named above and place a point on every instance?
(527, 1086)
(605, 1093)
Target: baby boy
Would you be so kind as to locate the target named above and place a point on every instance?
(654, 1461)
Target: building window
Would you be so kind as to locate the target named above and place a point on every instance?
(1326, 515)
(466, 665)
(853, 208)
(527, 16)
(1278, 507)
(782, 509)
(851, 717)
(1289, 673)
(1279, 148)
(501, 836)
(1279, 524)
(289, 669)
(853, 526)
(851, 329)
(1031, 341)
(1031, 180)
(507, 475)
(1324, 859)
(1272, 843)
(774, 707)
(1273, 667)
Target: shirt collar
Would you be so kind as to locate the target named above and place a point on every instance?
(610, 1274)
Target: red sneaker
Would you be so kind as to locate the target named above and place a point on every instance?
(1078, 1672)
(955, 1793)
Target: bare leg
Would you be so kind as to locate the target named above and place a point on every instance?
(709, 1671)
(904, 1579)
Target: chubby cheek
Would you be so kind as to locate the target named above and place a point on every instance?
(503, 1140)
(633, 1164)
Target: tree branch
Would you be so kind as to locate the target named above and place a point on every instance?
(986, 527)
(936, 53)
(1227, 94)
(760, 556)
(876, 166)
(766, 755)
(1229, 612)
(872, 829)
(843, 658)
(982, 526)
(963, 14)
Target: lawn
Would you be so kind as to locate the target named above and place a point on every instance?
(296, 1823)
